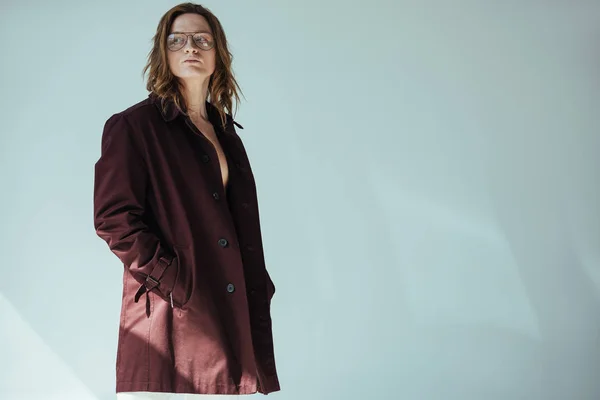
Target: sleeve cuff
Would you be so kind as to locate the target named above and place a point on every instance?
(163, 277)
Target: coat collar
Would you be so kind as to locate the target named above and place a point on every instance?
(171, 112)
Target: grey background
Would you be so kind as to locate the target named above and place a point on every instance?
(428, 184)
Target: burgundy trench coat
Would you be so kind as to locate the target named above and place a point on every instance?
(195, 314)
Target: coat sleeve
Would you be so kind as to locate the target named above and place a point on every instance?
(120, 184)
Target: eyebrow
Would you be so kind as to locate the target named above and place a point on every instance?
(210, 33)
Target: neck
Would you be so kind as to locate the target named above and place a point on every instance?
(195, 99)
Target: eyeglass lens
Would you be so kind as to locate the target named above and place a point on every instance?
(176, 41)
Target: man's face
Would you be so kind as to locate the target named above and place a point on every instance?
(190, 71)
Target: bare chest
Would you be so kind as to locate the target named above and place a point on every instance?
(208, 131)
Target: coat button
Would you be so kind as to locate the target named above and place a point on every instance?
(230, 288)
(205, 158)
(216, 195)
(249, 248)
(245, 205)
(223, 242)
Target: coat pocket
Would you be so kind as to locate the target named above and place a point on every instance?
(182, 290)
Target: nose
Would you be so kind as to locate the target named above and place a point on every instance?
(190, 45)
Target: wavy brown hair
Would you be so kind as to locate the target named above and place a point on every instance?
(222, 86)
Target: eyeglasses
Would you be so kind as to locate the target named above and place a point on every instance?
(176, 41)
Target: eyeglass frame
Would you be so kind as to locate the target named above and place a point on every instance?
(187, 35)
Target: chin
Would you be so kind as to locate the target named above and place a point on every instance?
(194, 77)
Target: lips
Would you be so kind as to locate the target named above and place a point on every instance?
(191, 60)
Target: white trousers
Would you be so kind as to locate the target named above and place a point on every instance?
(172, 396)
(155, 396)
